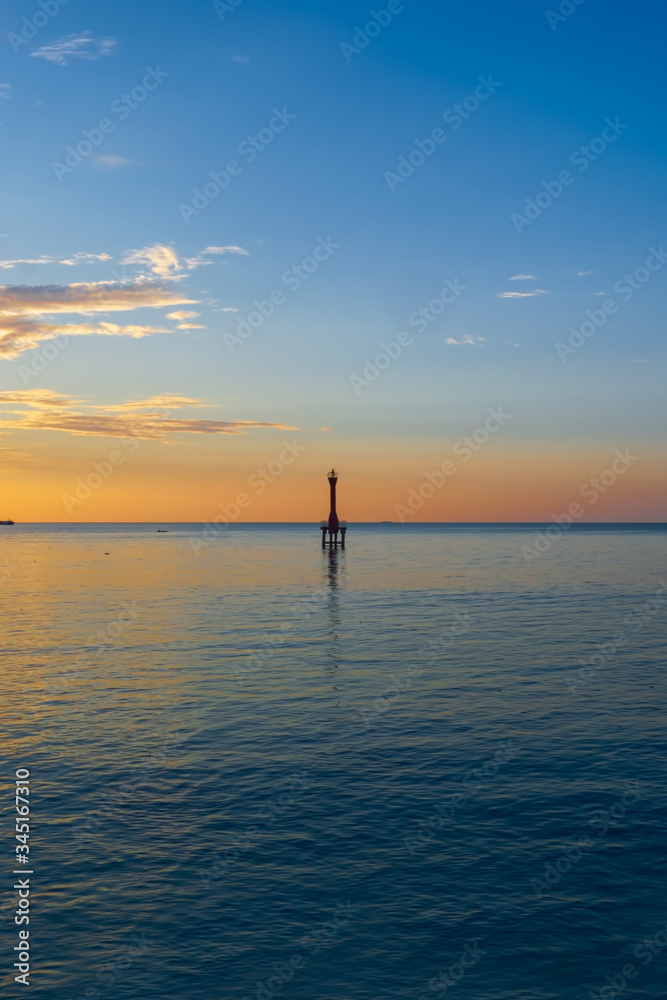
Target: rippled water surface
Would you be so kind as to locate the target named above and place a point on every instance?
(431, 765)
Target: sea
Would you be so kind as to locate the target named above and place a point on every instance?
(430, 765)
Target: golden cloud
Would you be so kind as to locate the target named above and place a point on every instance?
(50, 411)
(24, 308)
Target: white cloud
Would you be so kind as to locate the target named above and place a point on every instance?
(226, 250)
(81, 46)
(522, 295)
(582, 274)
(77, 258)
(164, 262)
(5, 92)
(522, 277)
(182, 314)
(192, 263)
(474, 341)
(161, 260)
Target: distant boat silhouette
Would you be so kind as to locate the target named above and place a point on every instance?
(6, 522)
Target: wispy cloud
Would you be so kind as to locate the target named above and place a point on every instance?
(5, 92)
(226, 250)
(77, 258)
(160, 260)
(166, 401)
(164, 262)
(81, 46)
(199, 261)
(473, 341)
(182, 314)
(109, 160)
(522, 277)
(25, 311)
(582, 274)
(88, 297)
(183, 317)
(44, 410)
(40, 398)
(522, 295)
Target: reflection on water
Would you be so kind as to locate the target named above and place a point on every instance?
(227, 748)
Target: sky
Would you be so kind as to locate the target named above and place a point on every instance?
(217, 217)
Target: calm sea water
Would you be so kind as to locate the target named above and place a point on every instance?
(429, 766)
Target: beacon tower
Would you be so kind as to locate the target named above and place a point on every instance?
(333, 530)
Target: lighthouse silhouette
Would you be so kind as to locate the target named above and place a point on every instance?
(333, 530)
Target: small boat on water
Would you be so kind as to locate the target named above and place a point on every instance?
(6, 522)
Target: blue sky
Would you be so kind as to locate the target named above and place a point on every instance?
(323, 176)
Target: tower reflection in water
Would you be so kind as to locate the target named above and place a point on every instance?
(333, 561)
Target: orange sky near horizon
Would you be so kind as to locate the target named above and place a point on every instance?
(190, 480)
